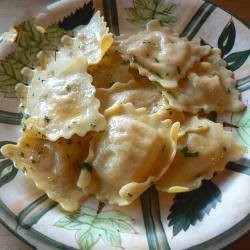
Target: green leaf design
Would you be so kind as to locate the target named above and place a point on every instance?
(227, 38)
(146, 10)
(238, 168)
(29, 42)
(91, 226)
(80, 17)
(237, 59)
(10, 117)
(86, 238)
(2, 143)
(242, 126)
(7, 172)
(192, 206)
(155, 232)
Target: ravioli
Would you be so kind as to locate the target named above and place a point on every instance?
(160, 54)
(141, 94)
(209, 86)
(92, 40)
(200, 154)
(111, 69)
(132, 154)
(53, 166)
(60, 101)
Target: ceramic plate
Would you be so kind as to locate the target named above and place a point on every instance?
(208, 218)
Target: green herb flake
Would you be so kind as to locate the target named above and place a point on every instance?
(130, 195)
(134, 60)
(228, 90)
(111, 83)
(186, 153)
(24, 127)
(178, 70)
(148, 43)
(92, 125)
(46, 119)
(22, 154)
(87, 166)
(68, 88)
(34, 161)
(202, 110)
(24, 170)
(200, 126)
(26, 116)
(27, 145)
(156, 60)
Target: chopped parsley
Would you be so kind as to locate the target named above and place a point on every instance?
(26, 116)
(34, 161)
(134, 60)
(200, 126)
(92, 125)
(156, 60)
(202, 110)
(130, 195)
(68, 88)
(111, 83)
(46, 119)
(22, 154)
(87, 166)
(24, 170)
(178, 70)
(228, 90)
(187, 153)
(24, 127)
(149, 43)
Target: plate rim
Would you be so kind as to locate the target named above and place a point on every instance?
(226, 238)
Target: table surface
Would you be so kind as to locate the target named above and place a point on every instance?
(242, 10)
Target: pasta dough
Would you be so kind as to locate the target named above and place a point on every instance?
(53, 166)
(209, 86)
(133, 153)
(111, 69)
(60, 101)
(200, 154)
(141, 94)
(160, 54)
(91, 40)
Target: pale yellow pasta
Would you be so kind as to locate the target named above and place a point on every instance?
(209, 86)
(132, 154)
(200, 154)
(92, 40)
(160, 54)
(60, 101)
(111, 69)
(53, 166)
(141, 94)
